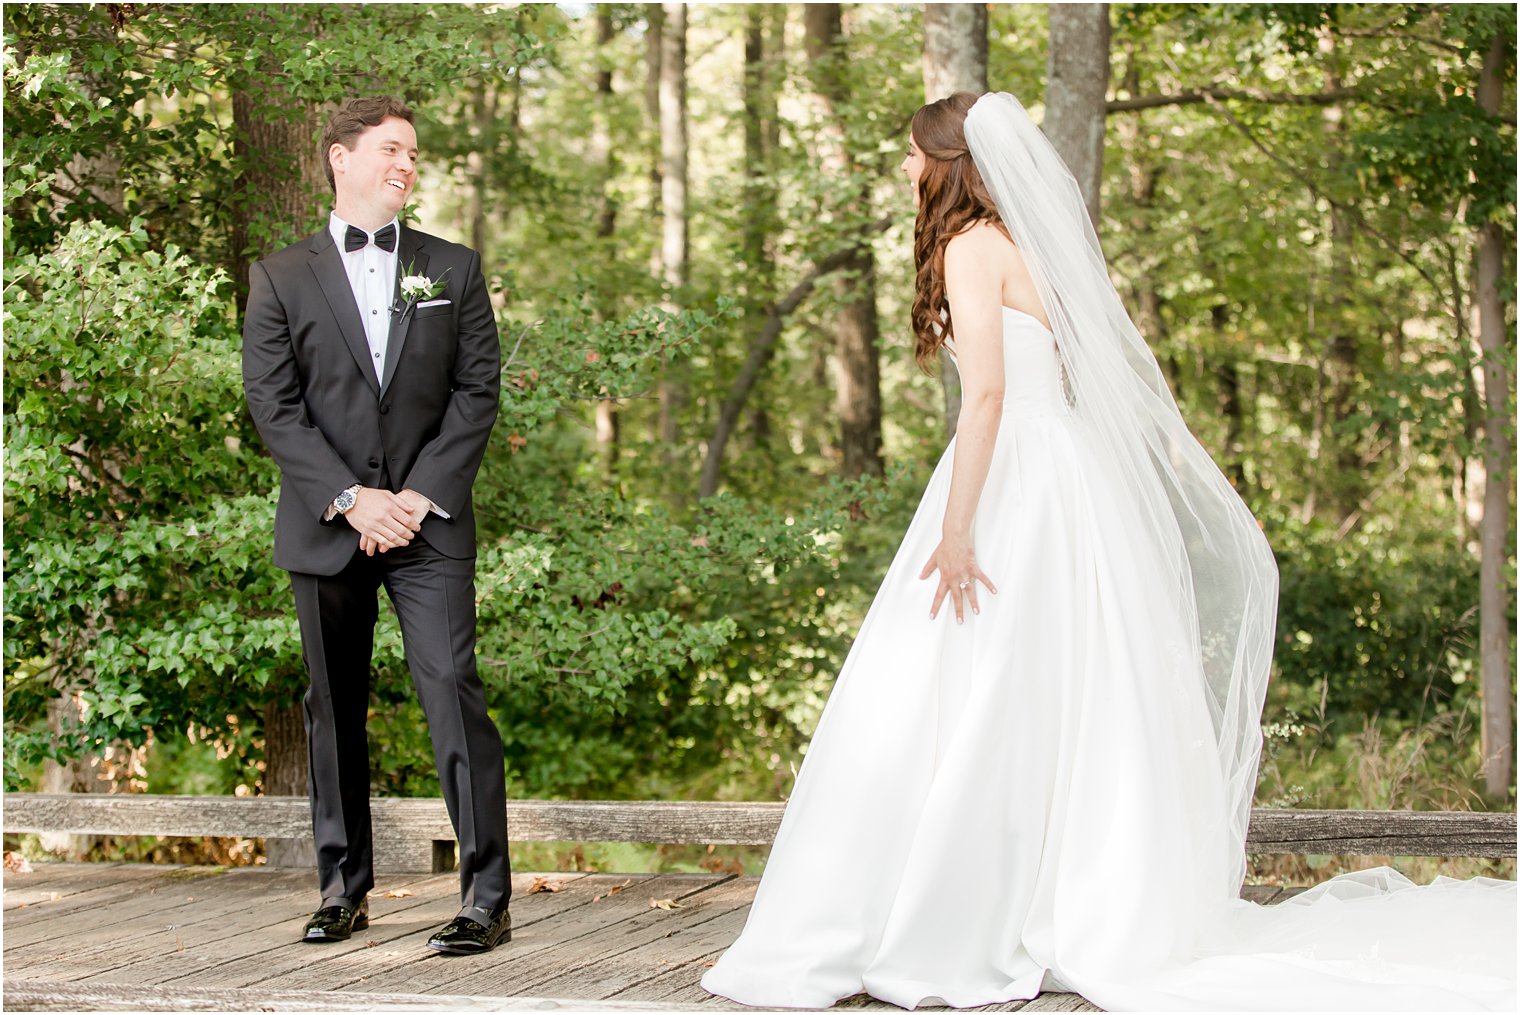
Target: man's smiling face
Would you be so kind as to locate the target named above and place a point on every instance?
(376, 177)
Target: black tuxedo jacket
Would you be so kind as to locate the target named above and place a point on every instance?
(327, 421)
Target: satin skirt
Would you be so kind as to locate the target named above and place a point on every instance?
(1030, 801)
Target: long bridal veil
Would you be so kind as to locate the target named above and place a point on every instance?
(1213, 565)
(1366, 940)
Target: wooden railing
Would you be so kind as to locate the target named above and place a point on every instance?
(414, 835)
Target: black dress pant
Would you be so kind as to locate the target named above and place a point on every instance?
(434, 597)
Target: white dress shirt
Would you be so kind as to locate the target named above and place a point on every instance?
(372, 277)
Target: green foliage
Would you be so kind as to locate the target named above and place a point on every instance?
(136, 510)
(1306, 267)
(1372, 627)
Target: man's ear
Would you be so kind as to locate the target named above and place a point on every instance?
(337, 157)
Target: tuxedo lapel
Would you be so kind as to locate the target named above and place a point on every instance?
(327, 265)
(411, 258)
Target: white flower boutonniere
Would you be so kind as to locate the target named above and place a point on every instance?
(415, 288)
(419, 287)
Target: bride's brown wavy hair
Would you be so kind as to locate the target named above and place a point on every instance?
(951, 199)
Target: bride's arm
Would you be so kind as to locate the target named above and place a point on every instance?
(973, 287)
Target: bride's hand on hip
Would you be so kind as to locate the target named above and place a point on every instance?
(958, 576)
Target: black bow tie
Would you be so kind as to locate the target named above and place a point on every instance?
(356, 238)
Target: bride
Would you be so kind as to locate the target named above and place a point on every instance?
(1037, 774)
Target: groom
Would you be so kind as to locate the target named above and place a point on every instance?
(376, 397)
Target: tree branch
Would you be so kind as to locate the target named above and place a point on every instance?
(1214, 93)
(1304, 178)
(760, 353)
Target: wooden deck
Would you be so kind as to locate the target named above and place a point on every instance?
(139, 937)
(81, 937)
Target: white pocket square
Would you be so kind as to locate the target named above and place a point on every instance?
(431, 303)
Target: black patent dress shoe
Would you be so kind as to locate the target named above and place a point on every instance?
(336, 920)
(473, 931)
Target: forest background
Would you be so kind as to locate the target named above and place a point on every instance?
(712, 431)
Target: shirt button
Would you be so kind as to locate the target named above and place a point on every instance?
(377, 355)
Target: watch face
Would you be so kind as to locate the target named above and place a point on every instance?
(345, 500)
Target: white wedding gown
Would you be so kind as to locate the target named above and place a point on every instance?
(1029, 801)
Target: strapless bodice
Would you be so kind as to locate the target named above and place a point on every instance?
(1031, 369)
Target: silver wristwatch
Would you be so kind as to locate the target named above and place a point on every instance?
(347, 499)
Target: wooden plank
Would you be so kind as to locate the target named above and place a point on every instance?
(45, 873)
(1382, 833)
(394, 818)
(55, 884)
(616, 964)
(1059, 1002)
(24, 996)
(148, 926)
(1260, 894)
(680, 980)
(265, 942)
(271, 955)
(263, 939)
(540, 950)
(404, 825)
(87, 909)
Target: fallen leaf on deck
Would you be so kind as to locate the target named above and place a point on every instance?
(545, 885)
(16, 863)
(664, 904)
(398, 893)
(612, 891)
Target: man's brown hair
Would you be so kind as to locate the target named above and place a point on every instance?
(353, 118)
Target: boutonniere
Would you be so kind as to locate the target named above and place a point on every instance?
(416, 288)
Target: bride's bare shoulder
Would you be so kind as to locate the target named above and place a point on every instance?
(983, 253)
(986, 245)
(983, 241)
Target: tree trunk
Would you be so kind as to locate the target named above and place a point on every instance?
(955, 60)
(284, 192)
(955, 49)
(857, 371)
(759, 192)
(1493, 602)
(607, 424)
(96, 176)
(282, 188)
(1228, 375)
(479, 162)
(1076, 94)
(1144, 177)
(673, 239)
(760, 121)
(654, 45)
(285, 774)
(1346, 485)
(80, 775)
